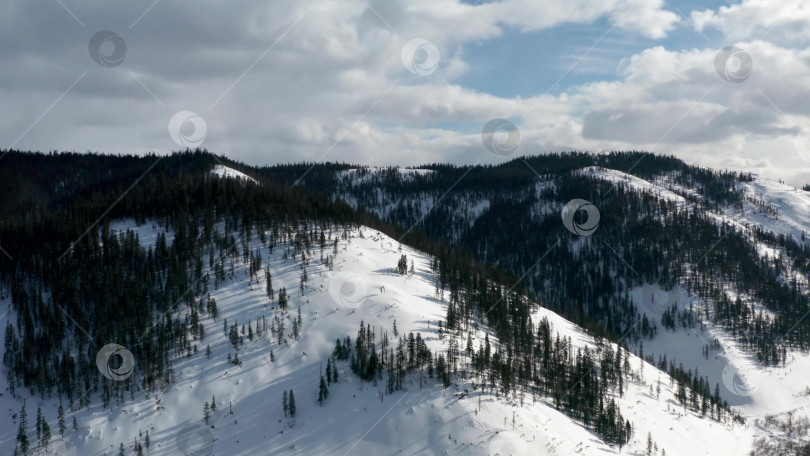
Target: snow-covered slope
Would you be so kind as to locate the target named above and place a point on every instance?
(224, 171)
(357, 418)
(792, 204)
(756, 392)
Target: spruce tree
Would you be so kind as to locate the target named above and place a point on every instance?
(282, 299)
(292, 404)
(269, 279)
(39, 425)
(22, 435)
(284, 404)
(323, 391)
(46, 434)
(206, 412)
(61, 420)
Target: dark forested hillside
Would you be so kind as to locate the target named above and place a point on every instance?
(75, 284)
(509, 216)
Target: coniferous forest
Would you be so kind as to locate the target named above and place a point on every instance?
(642, 237)
(75, 284)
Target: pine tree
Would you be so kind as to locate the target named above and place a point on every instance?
(22, 436)
(282, 299)
(269, 279)
(75, 424)
(213, 403)
(61, 420)
(39, 425)
(292, 404)
(121, 450)
(402, 265)
(206, 412)
(334, 372)
(46, 434)
(328, 371)
(212, 309)
(323, 391)
(147, 441)
(284, 404)
(208, 351)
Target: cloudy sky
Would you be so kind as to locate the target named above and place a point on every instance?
(721, 84)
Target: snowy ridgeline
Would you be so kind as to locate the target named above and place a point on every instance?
(224, 172)
(245, 411)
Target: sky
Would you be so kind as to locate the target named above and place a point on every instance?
(385, 82)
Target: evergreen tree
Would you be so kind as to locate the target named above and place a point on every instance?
(323, 391)
(284, 404)
(402, 265)
(206, 412)
(61, 420)
(292, 404)
(46, 434)
(22, 435)
(39, 424)
(269, 284)
(282, 299)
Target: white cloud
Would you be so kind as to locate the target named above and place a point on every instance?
(333, 87)
(784, 21)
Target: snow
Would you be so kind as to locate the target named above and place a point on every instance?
(147, 233)
(224, 171)
(431, 420)
(371, 171)
(753, 390)
(793, 205)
